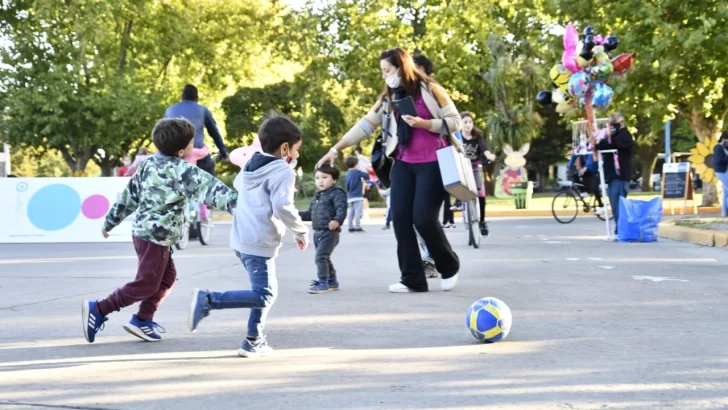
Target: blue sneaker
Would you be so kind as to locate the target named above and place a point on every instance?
(199, 308)
(333, 284)
(319, 287)
(92, 320)
(256, 348)
(144, 329)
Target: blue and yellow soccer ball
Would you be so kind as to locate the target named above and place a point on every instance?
(489, 320)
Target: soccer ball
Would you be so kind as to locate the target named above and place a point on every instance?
(489, 320)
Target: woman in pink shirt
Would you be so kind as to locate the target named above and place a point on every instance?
(417, 190)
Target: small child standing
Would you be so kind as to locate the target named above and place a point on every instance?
(327, 213)
(355, 193)
(158, 191)
(264, 211)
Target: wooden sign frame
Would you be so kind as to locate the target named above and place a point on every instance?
(689, 194)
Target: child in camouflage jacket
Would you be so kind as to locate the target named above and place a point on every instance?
(158, 192)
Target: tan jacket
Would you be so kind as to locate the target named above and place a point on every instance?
(438, 103)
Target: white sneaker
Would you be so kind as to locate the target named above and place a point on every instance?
(449, 283)
(399, 288)
(599, 211)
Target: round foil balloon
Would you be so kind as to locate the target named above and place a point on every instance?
(578, 84)
(602, 95)
(602, 72)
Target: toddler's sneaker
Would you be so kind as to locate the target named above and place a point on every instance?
(92, 320)
(199, 308)
(318, 287)
(144, 329)
(334, 284)
(358, 230)
(254, 348)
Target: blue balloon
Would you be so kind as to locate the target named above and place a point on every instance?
(578, 84)
(602, 95)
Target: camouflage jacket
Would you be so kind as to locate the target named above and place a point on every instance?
(159, 192)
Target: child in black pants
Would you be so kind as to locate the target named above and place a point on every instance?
(327, 213)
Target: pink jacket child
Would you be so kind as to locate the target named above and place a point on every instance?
(195, 155)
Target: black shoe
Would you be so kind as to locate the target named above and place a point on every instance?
(483, 229)
(351, 229)
(358, 230)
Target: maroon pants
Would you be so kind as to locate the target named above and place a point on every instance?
(155, 276)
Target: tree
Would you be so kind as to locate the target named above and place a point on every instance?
(89, 78)
(679, 58)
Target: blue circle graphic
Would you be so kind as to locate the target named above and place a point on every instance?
(54, 207)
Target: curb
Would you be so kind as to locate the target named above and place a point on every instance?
(717, 239)
(513, 213)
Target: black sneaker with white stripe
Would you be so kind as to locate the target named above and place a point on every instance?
(144, 329)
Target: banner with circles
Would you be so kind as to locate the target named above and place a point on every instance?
(51, 210)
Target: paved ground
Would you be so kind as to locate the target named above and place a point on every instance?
(588, 333)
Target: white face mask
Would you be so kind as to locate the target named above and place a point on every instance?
(127, 162)
(394, 80)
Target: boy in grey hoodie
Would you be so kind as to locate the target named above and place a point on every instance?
(265, 209)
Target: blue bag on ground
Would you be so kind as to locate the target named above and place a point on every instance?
(638, 220)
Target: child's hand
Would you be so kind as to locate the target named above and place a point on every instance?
(301, 244)
(333, 225)
(103, 232)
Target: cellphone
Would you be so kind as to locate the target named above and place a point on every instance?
(406, 106)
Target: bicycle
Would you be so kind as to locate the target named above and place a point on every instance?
(196, 225)
(471, 220)
(575, 197)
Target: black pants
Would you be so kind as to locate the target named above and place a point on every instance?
(325, 242)
(591, 183)
(207, 164)
(447, 214)
(417, 195)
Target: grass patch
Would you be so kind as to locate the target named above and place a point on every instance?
(712, 224)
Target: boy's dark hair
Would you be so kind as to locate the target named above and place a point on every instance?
(276, 129)
(189, 93)
(171, 135)
(425, 63)
(351, 162)
(329, 169)
(358, 149)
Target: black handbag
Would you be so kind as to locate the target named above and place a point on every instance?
(381, 163)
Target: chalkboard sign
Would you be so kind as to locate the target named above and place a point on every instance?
(675, 185)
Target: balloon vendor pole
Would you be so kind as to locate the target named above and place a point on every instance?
(591, 120)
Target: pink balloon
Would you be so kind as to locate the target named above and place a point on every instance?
(571, 39)
(598, 40)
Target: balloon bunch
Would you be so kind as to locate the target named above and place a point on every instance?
(586, 66)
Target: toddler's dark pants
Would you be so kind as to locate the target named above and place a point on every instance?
(325, 242)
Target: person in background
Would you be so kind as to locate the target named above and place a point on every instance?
(476, 150)
(617, 166)
(355, 192)
(202, 119)
(364, 165)
(720, 164)
(385, 193)
(142, 154)
(121, 171)
(586, 172)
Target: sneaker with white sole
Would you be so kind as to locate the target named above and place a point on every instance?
(254, 348)
(92, 320)
(449, 283)
(199, 308)
(399, 288)
(144, 329)
(599, 211)
(430, 270)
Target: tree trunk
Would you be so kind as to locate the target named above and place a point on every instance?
(125, 38)
(77, 164)
(704, 127)
(648, 159)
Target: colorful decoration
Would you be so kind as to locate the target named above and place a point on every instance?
(514, 171)
(702, 160)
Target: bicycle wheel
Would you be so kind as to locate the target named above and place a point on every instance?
(473, 228)
(466, 218)
(204, 230)
(182, 243)
(565, 207)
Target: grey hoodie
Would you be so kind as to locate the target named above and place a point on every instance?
(265, 207)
